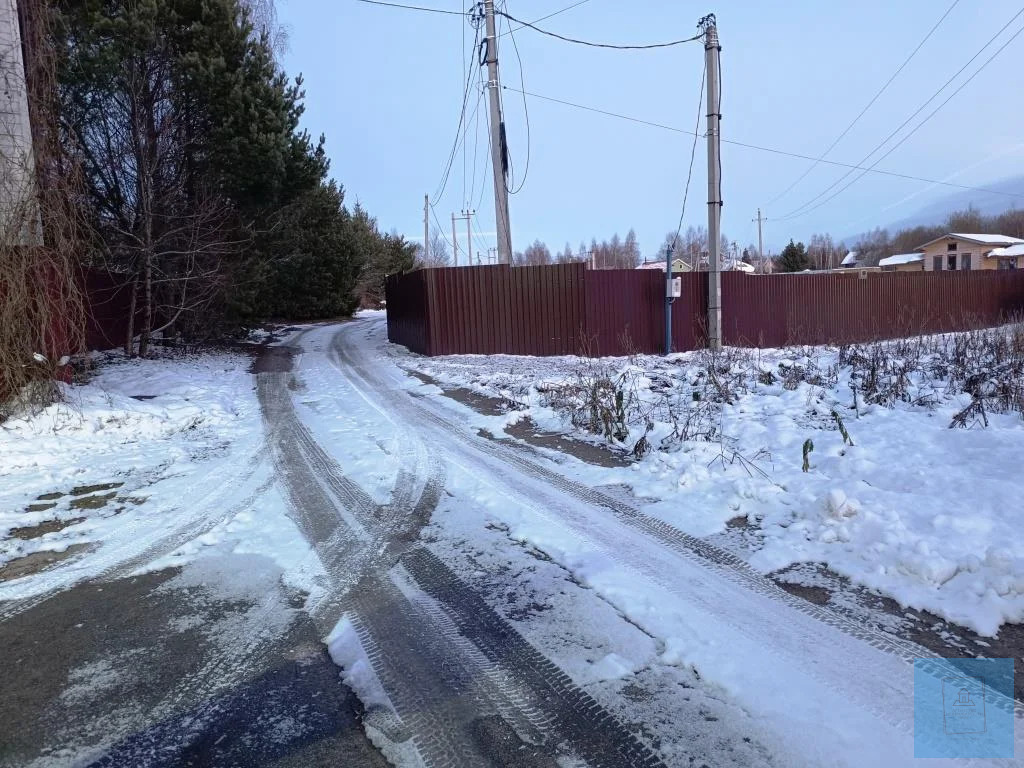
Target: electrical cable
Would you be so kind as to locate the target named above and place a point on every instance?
(693, 154)
(545, 18)
(647, 46)
(458, 130)
(868, 106)
(526, 113)
(806, 207)
(412, 7)
(761, 148)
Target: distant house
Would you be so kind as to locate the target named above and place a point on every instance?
(678, 265)
(1009, 257)
(968, 252)
(850, 261)
(735, 265)
(903, 262)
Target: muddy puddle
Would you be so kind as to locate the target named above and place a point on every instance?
(525, 429)
(29, 532)
(30, 565)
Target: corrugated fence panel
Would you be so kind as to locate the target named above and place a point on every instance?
(566, 308)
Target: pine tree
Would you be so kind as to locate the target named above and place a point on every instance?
(794, 258)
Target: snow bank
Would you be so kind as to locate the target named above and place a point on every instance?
(139, 450)
(923, 513)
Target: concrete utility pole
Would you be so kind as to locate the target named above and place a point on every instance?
(19, 211)
(455, 243)
(426, 228)
(469, 242)
(712, 53)
(760, 239)
(499, 150)
(469, 238)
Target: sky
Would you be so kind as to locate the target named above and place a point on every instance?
(386, 85)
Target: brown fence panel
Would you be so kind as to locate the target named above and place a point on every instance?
(568, 309)
(624, 312)
(839, 308)
(408, 321)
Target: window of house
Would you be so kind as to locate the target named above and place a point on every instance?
(1008, 263)
(965, 261)
(951, 265)
(937, 263)
(950, 246)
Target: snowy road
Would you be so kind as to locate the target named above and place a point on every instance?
(800, 674)
(485, 605)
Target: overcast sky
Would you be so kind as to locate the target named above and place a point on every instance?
(385, 85)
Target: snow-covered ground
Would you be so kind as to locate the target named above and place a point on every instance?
(149, 464)
(925, 513)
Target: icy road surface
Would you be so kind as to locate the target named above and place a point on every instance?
(483, 606)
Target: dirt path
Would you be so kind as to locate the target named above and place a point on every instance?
(465, 688)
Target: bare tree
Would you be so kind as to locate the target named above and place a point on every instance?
(437, 254)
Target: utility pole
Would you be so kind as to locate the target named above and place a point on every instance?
(668, 300)
(760, 239)
(499, 149)
(712, 53)
(469, 238)
(469, 242)
(455, 243)
(426, 228)
(19, 209)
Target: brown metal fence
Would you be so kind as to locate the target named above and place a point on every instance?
(569, 309)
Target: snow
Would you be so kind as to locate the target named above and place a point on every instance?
(1008, 251)
(159, 481)
(900, 258)
(850, 259)
(986, 239)
(899, 512)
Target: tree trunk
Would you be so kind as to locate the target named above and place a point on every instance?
(129, 341)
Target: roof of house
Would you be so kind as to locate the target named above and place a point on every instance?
(900, 258)
(979, 239)
(676, 264)
(1011, 250)
(851, 258)
(739, 266)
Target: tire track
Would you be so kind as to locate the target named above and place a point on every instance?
(449, 694)
(735, 571)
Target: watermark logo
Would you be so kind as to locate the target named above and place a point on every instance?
(963, 708)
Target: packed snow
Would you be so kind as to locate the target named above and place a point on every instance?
(913, 508)
(157, 458)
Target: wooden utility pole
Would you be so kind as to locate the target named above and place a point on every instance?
(499, 150)
(712, 53)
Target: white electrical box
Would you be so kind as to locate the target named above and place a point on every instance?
(674, 288)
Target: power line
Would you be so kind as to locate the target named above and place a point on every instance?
(915, 129)
(760, 148)
(441, 229)
(462, 117)
(693, 153)
(868, 106)
(526, 113)
(545, 18)
(599, 45)
(412, 7)
(805, 208)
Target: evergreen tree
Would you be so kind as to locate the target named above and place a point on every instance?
(794, 258)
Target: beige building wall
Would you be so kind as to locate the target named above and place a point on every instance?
(963, 248)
